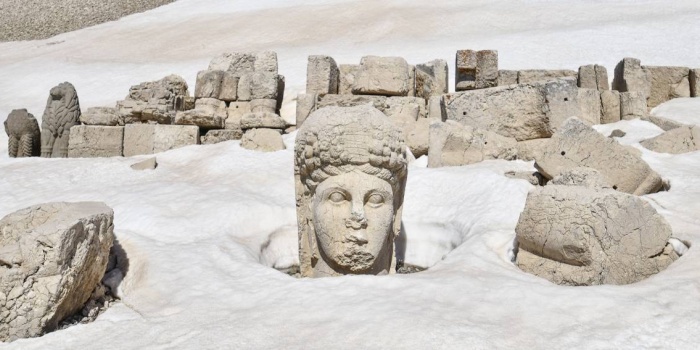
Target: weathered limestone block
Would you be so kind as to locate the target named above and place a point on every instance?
(53, 256)
(593, 76)
(106, 116)
(148, 164)
(581, 176)
(610, 106)
(544, 75)
(262, 120)
(633, 105)
(346, 79)
(237, 63)
(664, 123)
(589, 102)
(577, 235)
(229, 87)
(388, 76)
(576, 144)
(432, 79)
(24, 138)
(694, 81)
(262, 140)
(350, 170)
(667, 83)
(61, 113)
(454, 144)
(630, 76)
(529, 150)
(216, 136)
(379, 102)
(436, 108)
(507, 77)
(236, 110)
(516, 111)
(417, 136)
(322, 75)
(680, 140)
(562, 97)
(208, 113)
(476, 69)
(91, 141)
(263, 106)
(405, 108)
(411, 81)
(408, 114)
(154, 101)
(258, 85)
(306, 103)
(266, 61)
(208, 84)
(155, 138)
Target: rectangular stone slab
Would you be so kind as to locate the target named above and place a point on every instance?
(90, 141)
(154, 138)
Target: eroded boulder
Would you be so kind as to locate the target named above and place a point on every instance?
(577, 235)
(679, 140)
(577, 144)
(263, 140)
(52, 257)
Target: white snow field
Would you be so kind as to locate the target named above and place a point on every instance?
(201, 230)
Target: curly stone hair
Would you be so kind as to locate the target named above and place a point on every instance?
(338, 140)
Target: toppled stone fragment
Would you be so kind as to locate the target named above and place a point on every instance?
(154, 101)
(208, 84)
(581, 176)
(90, 141)
(262, 140)
(105, 116)
(53, 257)
(208, 113)
(216, 136)
(322, 75)
(387, 76)
(23, 134)
(676, 141)
(262, 120)
(667, 83)
(148, 164)
(577, 235)
(630, 76)
(576, 144)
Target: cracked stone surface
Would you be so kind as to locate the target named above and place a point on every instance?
(675, 141)
(574, 235)
(576, 144)
(52, 256)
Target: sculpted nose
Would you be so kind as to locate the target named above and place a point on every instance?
(357, 218)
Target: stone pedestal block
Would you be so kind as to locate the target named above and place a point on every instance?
(90, 141)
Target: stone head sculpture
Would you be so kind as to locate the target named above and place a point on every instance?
(350, 171)
(23, 134)
(61, 113)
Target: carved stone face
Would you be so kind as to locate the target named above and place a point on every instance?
(353, 215)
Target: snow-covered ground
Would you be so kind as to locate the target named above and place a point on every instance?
(201, 230)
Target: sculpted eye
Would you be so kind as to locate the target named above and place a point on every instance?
(375, 198)
(336, 197)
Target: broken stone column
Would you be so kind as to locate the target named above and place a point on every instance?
(577, 144)
(387, 76)
(155, 138)
(322, 75)
(633, 105)
(610, 106)
(584, 235)
(476, 69)
(454, 144)
(24, 138)
(53, 257)
(667, 83)
(593, 76)
(431, 79)
(91, 141)
(61, 113)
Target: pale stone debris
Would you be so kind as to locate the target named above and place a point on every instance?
(208, 84)
(590, 104)
(577, 144)
(262, 120)
(148, 164)
(360, 152)
(54, 255)
(379, 102)
(676, 141)
(216, 136)
(630, 76)
(106, 116)
(229, 87)
(208, 113)
(610, 106)
(347, 74)
(91, 141)
(582, 234)
(237, 63)
(61, 113)
(387, 76)
(544, 75)
(24, 137)
(322, 75)
(529, 150)
(581, 176)
(667, 83)
(154, 101)
(476, 69)
(155, 138)
(306, 103)
(263, 140)
(633, 105)
(454, 144)
(432, 78)
(593, 76)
